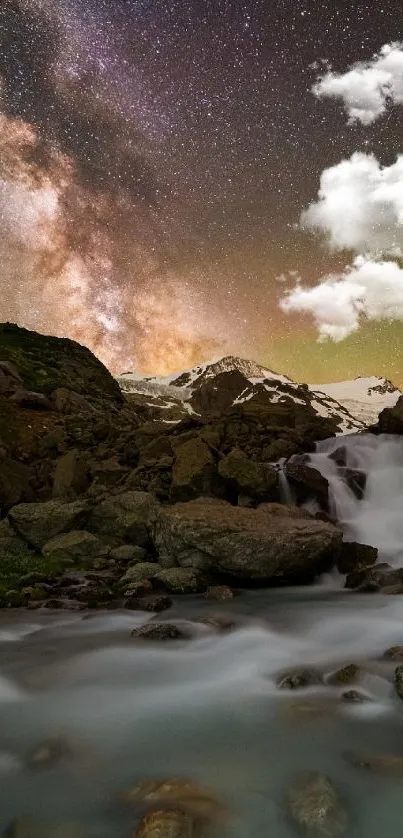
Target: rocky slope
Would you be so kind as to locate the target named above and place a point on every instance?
(364, 398)
(213, 388)
(102, 505)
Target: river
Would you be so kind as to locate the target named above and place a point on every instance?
(209, 708)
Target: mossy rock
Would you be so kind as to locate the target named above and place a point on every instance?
(181, 580)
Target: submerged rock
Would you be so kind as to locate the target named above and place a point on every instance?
(296, 679)
(384, 763)
(315, 806)
(161, 631)
(355, 697)
(49, 753)
(220, 593)
(399, 681)
(165, 823)
(219, 622)
(394, 653)
(345, 675)
(200, 802)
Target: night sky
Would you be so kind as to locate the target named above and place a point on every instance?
(155, 159)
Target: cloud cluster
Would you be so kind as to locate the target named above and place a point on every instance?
(360, 205)
(360, 209)
(368, 288)
(367, 88)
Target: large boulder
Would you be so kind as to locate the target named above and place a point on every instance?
(14, 482)
(273, 543)
(37, 523)
(124, 516)
(71, 477)
(355, 556)
(390, 419)
(76, 546)
(194, 471)
(245, 478)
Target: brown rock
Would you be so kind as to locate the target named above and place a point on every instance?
(355, 556)
(345, 675)
(194, 472)
(165, 823)
(220, 593)
(199, 802)
(71, 477)
(295, 679)
(161, 631)
(315, 806)
(394, 653)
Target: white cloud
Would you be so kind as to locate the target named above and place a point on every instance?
(368, 87)
(370, 289)
(360, 205)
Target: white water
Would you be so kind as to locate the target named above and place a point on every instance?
(377, 518)
(209, 708)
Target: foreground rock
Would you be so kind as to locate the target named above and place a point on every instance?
(165, 823)
(162, 631)
(315, 807)
(377, 578)
(355, 556)
(37, 523)
(272, 543)
(296, 679)
(198, 801)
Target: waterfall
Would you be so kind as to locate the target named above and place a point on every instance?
(376, 518)
(286, 493)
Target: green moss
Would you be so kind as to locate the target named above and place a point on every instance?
(16, 567)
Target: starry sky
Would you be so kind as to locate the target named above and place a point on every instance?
(155, 158)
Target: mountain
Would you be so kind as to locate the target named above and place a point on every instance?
(363, 397)
(219, 386)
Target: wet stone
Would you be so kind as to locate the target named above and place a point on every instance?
(296, 679)
(394, 653)
(165, 823)
(398, 679)
(314, 805)
(196, 800)
(220, 593)
(161, 631)
(355, 697)
(345, 675)
(49, 753)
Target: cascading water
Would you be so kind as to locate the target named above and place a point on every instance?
(376, 518)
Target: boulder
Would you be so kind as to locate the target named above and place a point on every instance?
(390, 419)
(30, 399)
(181, 580)
(37, 523)
(307, 482)
(355, 556)
(273, 543)
(108, 472)
(15, 480)
(194, 471)
(77, 546)
(378, 577)
(71, 477)
(125, 516)
(128, 553)
(394, 653)
(315, 807)
(139, 572)
(244, 477)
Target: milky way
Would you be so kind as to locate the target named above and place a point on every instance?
(154, 162)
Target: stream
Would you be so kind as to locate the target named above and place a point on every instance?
(209, 708)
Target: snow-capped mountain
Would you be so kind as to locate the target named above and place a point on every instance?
(227, 383)
(363, 397)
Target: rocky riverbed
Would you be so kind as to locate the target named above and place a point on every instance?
(95, 719)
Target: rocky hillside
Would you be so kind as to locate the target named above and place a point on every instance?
(102, 504)
(214, 388)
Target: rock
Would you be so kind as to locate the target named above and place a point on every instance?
(194, 471)
(15, 480)
(139, 572)
(246, 478)
(346, 675)
(199, 802)
(220, 593)
(219, 622)
(71, 477)
(128, 553)
(125, 516)
(181, 580)
(295, 679)
(391, 764)
(68, 402)
(398, 679)
(390, 420)
(274, 542)
(161, 631)
(49, 753)
(355, 556)
(77, 547)
(339, 455)
(355, 697)
(138, 589)
(315, 806)
(109, 472)
(151, 602)
(374, 578)
(165, 823)
(356, 480)
(30, 399)
(394, 653)
(307, 482)
(37, 523)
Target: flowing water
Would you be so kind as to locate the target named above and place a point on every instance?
(208, 708)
